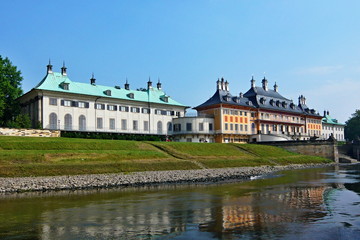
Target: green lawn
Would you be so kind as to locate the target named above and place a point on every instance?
(27, 156)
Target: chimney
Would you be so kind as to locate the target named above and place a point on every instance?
(149, 84)
(127, 85)
(158, 85)
(324, 113)
(49, 67)
(328, 113)
(252, 82)
(63, 70)
(226, 86)
(265, 84)
(276, 87)
(222, 84)
(92, 79)
(218, 84)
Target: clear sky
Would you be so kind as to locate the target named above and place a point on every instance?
(308, 47)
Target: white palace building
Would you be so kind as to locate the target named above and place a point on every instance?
(261, 114)
(59, 103)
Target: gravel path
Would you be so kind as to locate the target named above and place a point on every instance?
(24, 184)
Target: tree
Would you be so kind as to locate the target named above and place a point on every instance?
(20, 121)
(10, 90)
(352, 128)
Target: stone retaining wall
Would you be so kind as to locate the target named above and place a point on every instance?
(29, 132)
(321, 148)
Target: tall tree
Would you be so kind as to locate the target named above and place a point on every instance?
(352, 128)
(10, 90)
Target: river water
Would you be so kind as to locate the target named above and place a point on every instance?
(318, 203)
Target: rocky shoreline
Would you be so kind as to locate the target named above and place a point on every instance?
(76, 182)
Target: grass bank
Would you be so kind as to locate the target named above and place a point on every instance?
(23, 156)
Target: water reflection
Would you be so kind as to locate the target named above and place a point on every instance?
(302, 204)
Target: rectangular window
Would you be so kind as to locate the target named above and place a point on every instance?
(124, 109)
(163, 112)
(83, 104)
(53, 101)
(236, 127)
(178, 114)
(100, 106)
(231, 127)
(210, 126)
(177, 127)
(241, 127)
(112, 123)
(99, 123)
(135, 125)
(123, 124)
(201, 126)
(145, 110)
(135, 109)
(157, 111)
(188, 127)
(67, 103)
(226, 111)
(245, 113)
(146, 125)
(246, 128)
(112, 107)
(189, 140)
(226, 126)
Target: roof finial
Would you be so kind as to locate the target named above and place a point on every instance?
(49, 67)
(158, 85)
(149, 83)
(92, 79)
(63, 69)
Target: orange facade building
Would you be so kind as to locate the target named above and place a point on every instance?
(261, 114)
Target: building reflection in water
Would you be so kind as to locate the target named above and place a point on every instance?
(173, 215)
(260, 212)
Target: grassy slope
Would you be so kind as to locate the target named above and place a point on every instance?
(22, 156)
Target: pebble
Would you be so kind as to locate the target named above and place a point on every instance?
(26, 184)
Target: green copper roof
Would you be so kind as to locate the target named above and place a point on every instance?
(55, 81)
(329, 120)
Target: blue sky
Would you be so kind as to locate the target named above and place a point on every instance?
(307, 47)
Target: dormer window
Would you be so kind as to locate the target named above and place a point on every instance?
(278, 103)
(131, 95)
(164, 98)
(284, 104)
(271, 102)
(107, 92)
(65, 86)
(227, 98)
(249, 103)
(292, 105)
(262, 100)
(236, 99)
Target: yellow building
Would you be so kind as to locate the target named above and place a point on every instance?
(261, 114)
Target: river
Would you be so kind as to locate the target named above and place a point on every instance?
(317, 203)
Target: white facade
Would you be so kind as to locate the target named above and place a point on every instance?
(110, 115)
(193, 129)
(331, 129)
(58, 103)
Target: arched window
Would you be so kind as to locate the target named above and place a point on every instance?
(68, 122)
(53, 121)
(82, 123)
(169, 126)
(159, 127)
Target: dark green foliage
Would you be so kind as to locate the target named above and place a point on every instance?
(10, 90)
(114, 136)
(20, 121)
(352, 128)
